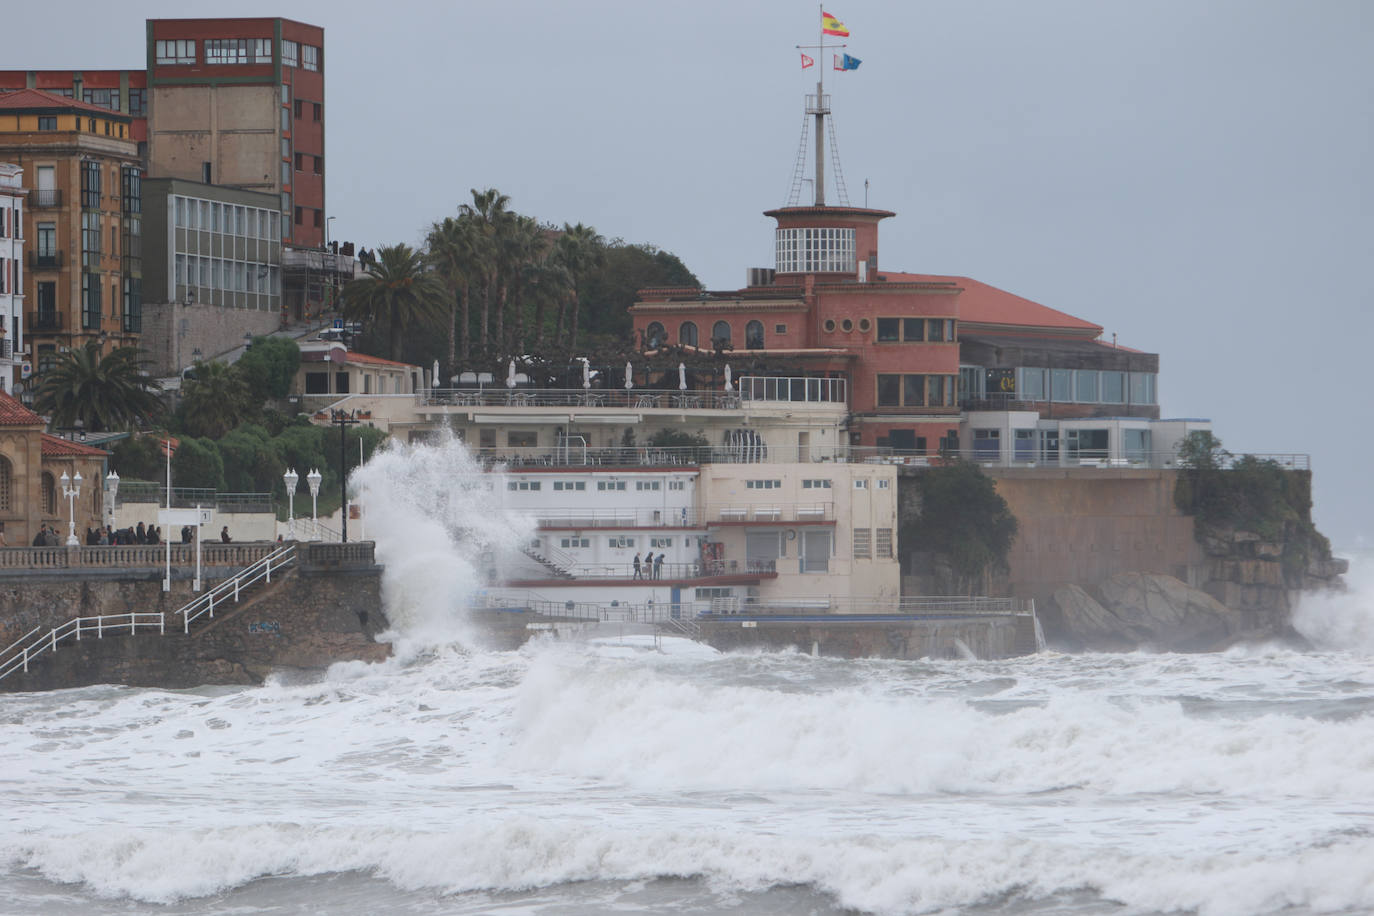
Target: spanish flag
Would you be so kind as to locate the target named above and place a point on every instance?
(832, 26)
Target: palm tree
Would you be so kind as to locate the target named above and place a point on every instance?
(579, 249)
(488, 215)
(102, 393)
(452, 251)
(400, 290)
(215, 401)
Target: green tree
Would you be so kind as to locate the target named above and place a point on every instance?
(215, 401)
(963, 518)
(580, 250)
(488, 216)
(452, 245)
(609, 289)
(110, 392)
(269, 367)
(251, 462)
(400, 291)
(1202, 451)
(138, 458)
(198, 463)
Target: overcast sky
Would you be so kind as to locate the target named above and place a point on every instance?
(1193, 176)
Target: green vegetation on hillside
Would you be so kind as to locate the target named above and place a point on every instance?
(962, 518)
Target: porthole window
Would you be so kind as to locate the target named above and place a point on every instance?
(847, 325)
(865, 324)
(830, 325)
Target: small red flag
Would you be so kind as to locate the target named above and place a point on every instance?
(807, 62)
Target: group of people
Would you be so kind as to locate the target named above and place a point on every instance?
(138, 534)
(651, 567)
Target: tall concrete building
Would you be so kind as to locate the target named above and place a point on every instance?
(12, 196)
(240, 103)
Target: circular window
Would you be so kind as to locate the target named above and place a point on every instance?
(847, 325)
(830, 325)
(865, 324)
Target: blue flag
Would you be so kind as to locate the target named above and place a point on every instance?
(845, 62)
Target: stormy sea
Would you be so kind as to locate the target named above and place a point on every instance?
(627, 776)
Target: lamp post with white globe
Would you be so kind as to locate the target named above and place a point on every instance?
(314, 478)
(291, 478)
(111, 491)
(71, 488)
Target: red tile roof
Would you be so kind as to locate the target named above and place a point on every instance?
(983, 304)
(22, 99)
(364, 359)
(12, 413)
(57, 447)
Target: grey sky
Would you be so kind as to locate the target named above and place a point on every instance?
(1196, 177)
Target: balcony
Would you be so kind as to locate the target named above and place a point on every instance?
(49, 260)
(45, 199)
(46, 321)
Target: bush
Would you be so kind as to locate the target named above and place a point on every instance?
(198, 463)
(963, 518)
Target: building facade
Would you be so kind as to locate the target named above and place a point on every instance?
(12, 196)
(240, 103)
(83, 223)
(32, 463)
(123, 91)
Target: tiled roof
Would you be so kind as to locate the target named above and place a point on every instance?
(365, 359)
(57, 447)
(22, 99)
(984, 304)
(12, 413)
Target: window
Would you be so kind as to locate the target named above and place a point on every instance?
(863, 543)
(913, 390)
(318, 164)
(687, 334)
(711, 594)
(889, 391)
(935, 330)
(815, 551)
(882, 548)
(763, 484)
(138, 102)
(90, 301)
(1085, 386)
(90, 185)
(310, 57)
(300, 213)
(523, 485)
(133, 305)
(889, 330)
(620, 542)
(987, 444)
(675, 485)
(226, 51)
(814, 250)
(575, 543)
(47, 245)
(570, 485)
(6, 485)
(1113, 390)
(262, 50)
(90, 240)
(317, 110)
(1023, 445)
(522, 440)
(1136, 444)
(660, 542)
(753, 335)
(861, 483)
(105, 98)
(884, 484)
(176, 51)
(1032, 384)
(49, 495)
(720, 334)
(300, 162)
(47, 123)
(655, 336)
(1061, 384)
(779, 329)
(318, 214)
(643, 485)
(290, 53)
(823, 484)
(1142, 387)
(131, 180)
(298, 108)
(605, 485)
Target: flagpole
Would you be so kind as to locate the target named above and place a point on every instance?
(820, 108)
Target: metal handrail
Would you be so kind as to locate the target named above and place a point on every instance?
(261, 570)
(624, 572)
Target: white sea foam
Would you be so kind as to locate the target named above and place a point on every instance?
(1342, 620)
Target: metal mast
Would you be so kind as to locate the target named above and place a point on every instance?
(818, 106)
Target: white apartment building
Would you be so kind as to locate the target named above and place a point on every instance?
(12, 194)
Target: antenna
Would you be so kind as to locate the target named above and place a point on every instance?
(818, 106)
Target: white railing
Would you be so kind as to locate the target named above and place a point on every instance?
(259, 571)
(17, 655)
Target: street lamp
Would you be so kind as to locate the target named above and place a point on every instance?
(71, 488)
(313, 478)
(291, 478)
(111, 491)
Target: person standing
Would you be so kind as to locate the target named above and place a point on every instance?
(638, 573)
(658, 567)
(224, 535)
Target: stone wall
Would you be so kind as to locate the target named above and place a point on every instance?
(984, 637)
(172, 331)
(325, 609)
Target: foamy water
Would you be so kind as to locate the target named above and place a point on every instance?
(575, 778)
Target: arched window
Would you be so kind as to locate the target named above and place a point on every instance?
(753, 335)
(6, 485)
(49, 495)
(720, 334)
(687, 334)
(655, 336)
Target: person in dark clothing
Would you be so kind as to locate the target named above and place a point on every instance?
(41, 538)
(154, 535)
(224, 535)
(658, 567)
(185, 534)
(140, 535)
(638, 574)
